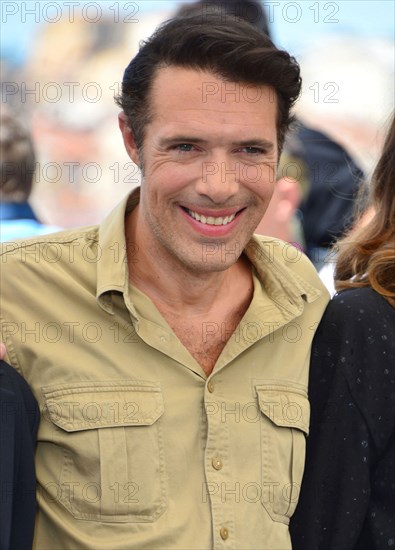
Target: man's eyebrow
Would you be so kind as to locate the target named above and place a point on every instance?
(180, 139)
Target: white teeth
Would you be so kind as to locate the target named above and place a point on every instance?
(210, 220)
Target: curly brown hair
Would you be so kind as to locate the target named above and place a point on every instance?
(367, 254)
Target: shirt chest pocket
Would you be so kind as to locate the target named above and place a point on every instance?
(285, 414)
(113, 466)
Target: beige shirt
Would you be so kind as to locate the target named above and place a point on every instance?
(137, 448)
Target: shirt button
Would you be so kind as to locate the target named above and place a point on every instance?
(224, 533)
(210, 386)
(217, 463)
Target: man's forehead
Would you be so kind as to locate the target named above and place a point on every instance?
(190, 105)
(207, 86)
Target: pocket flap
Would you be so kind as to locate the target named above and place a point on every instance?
(103, 404)
(285, 406)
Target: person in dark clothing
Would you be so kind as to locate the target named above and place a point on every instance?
(18, 429)
(332, 179)
(347, 498)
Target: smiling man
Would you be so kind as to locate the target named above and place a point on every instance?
(169, 347)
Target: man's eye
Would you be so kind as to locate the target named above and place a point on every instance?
(253, 150)
(184, 147)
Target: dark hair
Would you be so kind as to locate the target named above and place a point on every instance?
(367, 253)
(17, 159)
(232, 50)
(248, 10)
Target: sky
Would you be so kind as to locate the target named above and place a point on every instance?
(294, 24)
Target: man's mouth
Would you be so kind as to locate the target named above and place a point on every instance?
(211, 220)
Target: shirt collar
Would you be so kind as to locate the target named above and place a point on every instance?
(112, 265)
(283, 285)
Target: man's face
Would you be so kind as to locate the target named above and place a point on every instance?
(210, 159)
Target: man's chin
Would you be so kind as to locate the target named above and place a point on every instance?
(211, 265)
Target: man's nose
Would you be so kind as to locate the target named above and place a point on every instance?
(220, 179)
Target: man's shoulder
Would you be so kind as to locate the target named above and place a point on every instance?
(62, 246)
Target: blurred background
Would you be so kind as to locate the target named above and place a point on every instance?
(62, 63)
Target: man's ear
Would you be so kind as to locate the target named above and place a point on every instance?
(128, 138)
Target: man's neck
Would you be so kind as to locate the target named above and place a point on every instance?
(189, 299)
